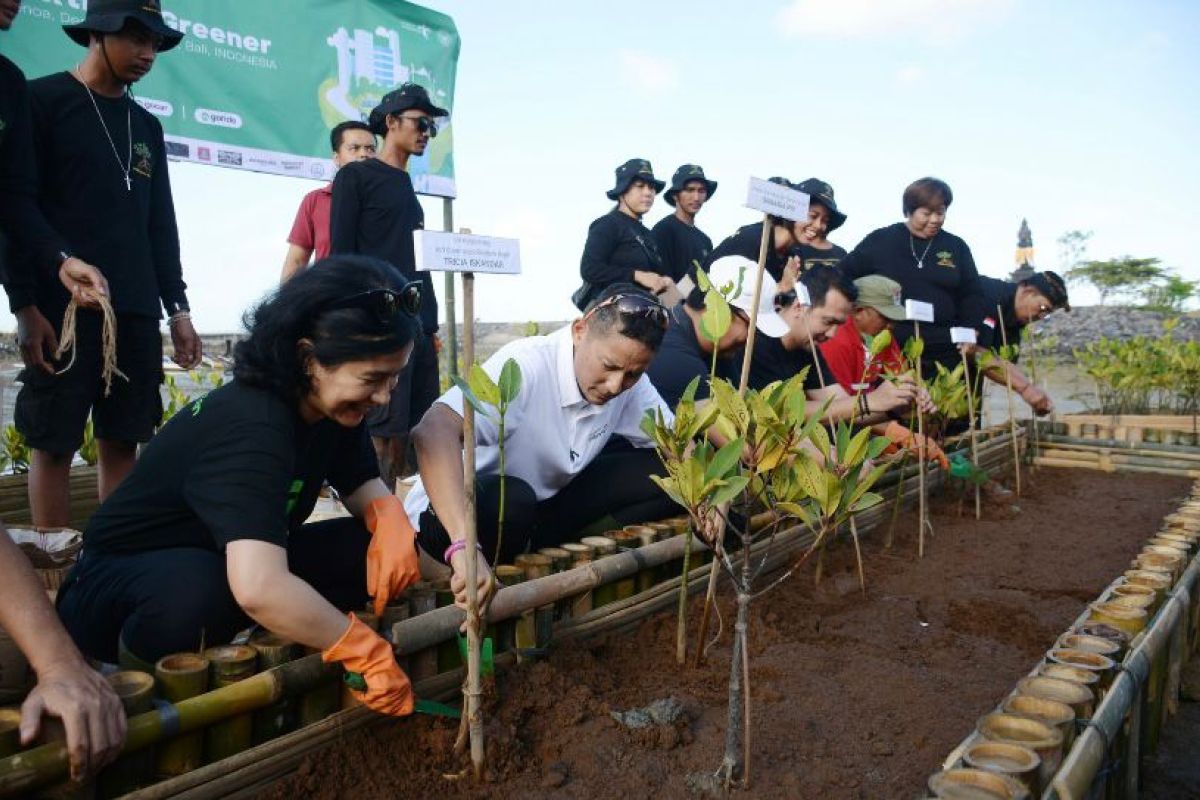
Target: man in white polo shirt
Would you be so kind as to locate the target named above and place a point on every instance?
(575, 453)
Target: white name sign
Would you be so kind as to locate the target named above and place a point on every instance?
(917, 311)
(780, 201)
(962, 335)
(438, 251)
(802, 295)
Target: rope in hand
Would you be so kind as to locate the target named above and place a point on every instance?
(109, 367)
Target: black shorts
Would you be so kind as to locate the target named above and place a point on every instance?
(52, 410)
(415, 392)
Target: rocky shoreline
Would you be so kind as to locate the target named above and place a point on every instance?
(1063, 332)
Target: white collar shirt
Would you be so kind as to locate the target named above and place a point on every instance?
(552, 433)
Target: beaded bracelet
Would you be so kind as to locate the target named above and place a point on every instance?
(177, 316)
(454, 547)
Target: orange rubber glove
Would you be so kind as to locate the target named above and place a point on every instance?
(915, 442)
(392, 560)
(364, 651)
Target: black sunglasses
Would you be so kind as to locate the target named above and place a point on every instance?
(384, 303)
(424, 125)
(634, 305)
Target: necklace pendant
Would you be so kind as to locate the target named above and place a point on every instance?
(128, 184)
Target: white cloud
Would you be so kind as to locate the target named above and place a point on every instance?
(647, 72)
(867, 18)
(909, 75)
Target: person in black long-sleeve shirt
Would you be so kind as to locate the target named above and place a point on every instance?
(680, 243)
(619, 248)
(930, 264)
(374, 213)
(103, 186)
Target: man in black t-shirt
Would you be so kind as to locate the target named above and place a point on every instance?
(103, 185)
(812, 311)
(681, 244)
(375, 211)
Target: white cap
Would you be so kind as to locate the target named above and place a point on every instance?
(740, 271)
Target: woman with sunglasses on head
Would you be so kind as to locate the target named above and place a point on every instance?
(1013, 307)
(208, 533)
(582, 387)
(931, 266)
(619, 248)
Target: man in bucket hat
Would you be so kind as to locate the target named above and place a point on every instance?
(104, 187)
(67, 687)
(848, 353)
(682, 245)
(374, 212)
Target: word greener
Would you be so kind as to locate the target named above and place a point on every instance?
(200, 30)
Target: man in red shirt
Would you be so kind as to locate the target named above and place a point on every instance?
(351, 141)
(847, 353)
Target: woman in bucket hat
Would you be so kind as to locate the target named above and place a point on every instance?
(619, 248)
(823, 218)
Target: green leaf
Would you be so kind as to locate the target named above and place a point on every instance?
(483, 386)
(702, 280)
(725, 460)
(510, 381)
(799, 511)
(689, 391)
(820, 437)
(731, 404)
(810, 478)
(842, 432)
(480, 407)
(868, 500)
(877, 446)
(914, 348)
(716, 319)
(727, 493)
(880, 342)
(857, 449)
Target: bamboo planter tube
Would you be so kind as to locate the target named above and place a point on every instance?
(130, 771)
(277, 718)
(181, 677)
(229, 664)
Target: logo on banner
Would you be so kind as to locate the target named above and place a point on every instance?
(178, 150)
(221, 119)
(204, 153)
(229, 158)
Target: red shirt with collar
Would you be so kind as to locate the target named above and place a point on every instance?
(311, 228)
(846, 354)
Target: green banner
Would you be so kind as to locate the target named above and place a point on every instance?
(257, 84)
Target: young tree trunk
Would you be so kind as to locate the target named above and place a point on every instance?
(733, 765)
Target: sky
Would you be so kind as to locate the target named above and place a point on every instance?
(1074, 115)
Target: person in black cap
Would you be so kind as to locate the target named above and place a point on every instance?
(104, 186)
(1014, 306)
(784, 237)
(67, 687)
(814, 247)
(619, 248)
(681, 244)
(374, 213)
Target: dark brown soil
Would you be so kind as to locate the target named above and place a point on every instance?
(853, 696)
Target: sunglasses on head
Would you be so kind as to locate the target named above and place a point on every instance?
(384, 303)
(424, 125)
(634, 305)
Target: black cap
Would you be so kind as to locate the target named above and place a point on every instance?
(1052, 286)
(685, 175)
(635, 169)
(409, 95)
(821, 192)
(110, 16)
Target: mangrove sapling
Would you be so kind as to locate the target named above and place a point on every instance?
(767, 462)
(482, 392)
(1010, 356)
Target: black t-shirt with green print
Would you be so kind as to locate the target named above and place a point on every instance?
(238, 463)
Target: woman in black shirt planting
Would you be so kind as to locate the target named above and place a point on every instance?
(207, 533)
(619, 248)
(930, 265)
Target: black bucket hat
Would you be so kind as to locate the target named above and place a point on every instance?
(683, 176)
(635, 169)
(109, 16)
(409, 95)
(821, 192)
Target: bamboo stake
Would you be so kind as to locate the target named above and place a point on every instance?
(922, 518)
(1012, 416)
(719, 542)
(474, 684)
(971, 421)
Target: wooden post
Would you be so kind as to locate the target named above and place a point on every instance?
(1012, 416)
(451, 323)
(974, 439)
(922, 520)
(474, 692)
(718, 545)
